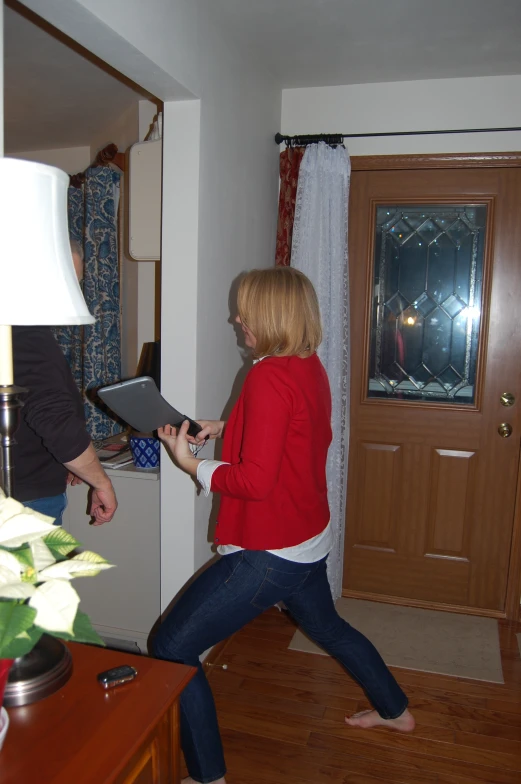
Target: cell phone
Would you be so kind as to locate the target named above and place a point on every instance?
(139, 402)
(116, 676)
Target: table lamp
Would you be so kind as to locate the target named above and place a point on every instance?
(38, 286)
(37, 277)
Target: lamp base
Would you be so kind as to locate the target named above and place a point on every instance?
(39, 673)
(10, 405)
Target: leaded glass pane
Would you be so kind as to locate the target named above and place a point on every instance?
(427, 302)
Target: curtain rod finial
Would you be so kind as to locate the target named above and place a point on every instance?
(279, 138)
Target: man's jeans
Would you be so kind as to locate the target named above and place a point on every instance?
(223, 599)
(54, 506)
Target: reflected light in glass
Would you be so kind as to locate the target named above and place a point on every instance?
(471, 313)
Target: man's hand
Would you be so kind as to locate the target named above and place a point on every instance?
(103, 504)
(73, 480)
(88, 468)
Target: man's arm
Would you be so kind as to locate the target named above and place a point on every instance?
(88, 467)
(53, 409)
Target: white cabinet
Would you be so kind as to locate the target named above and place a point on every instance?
(145, 172)
(122, 603)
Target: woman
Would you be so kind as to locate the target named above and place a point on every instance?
(273, 532)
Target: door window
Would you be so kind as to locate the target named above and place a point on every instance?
(427, 301)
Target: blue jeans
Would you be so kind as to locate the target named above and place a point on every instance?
(53, 506)
(222, 600)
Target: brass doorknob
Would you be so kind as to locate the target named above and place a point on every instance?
(507, 399)
(505, 430)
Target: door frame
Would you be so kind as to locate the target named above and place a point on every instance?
(458, 161)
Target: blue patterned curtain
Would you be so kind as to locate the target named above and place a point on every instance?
(94, 351)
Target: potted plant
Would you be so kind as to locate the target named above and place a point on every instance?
(37, 564)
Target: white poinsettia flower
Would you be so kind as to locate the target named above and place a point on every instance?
(68, 570)
(17, 591)
(55, 603)
(19, 524)
(9, 564)
(42, 556)
(7, 576)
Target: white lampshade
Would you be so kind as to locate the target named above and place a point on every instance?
(38, 283)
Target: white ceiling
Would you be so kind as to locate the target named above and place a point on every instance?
(55, 96)
(314, 43)
(58, 96)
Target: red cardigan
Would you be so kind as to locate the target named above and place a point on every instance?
(274, 492)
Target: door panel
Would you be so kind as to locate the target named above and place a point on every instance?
(449, 531)
(380, 466)
(435, 344)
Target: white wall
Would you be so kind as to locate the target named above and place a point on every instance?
(179, 282)
(146, 270)
(147, 111)
(409, 106)
(224, 183)
(2, 80)
(71, 159)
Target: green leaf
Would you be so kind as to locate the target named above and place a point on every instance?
(23, 554)
(60, 542)
(90, 557)
(83, 631)
(15, 618)
(22, 644)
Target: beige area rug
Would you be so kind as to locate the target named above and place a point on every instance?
(465, 646)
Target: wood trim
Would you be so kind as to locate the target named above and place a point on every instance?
(436, 161)
(400, 600)
(120, 161)
(513, 597)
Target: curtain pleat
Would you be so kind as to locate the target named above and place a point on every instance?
(290, 161)
(94, 351)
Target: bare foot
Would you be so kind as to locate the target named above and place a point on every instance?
(370, 718)
(190, 780)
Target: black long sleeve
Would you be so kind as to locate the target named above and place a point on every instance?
(52, 429)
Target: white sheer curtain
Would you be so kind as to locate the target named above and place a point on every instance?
(319, 249)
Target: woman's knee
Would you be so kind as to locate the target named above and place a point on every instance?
(168, 646)
(160, 648)
(328, 634)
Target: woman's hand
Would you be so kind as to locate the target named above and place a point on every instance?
(177, 443)
(211, 428)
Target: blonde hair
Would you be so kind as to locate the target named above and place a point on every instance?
(280, 307)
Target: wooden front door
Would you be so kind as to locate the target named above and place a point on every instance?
(435, 276)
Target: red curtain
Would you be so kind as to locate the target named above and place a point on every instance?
(290, 161)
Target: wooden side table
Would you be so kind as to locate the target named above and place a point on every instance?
(83, 734)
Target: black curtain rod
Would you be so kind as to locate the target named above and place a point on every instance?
(338, 138)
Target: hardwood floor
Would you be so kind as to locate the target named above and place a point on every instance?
(282, 718)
